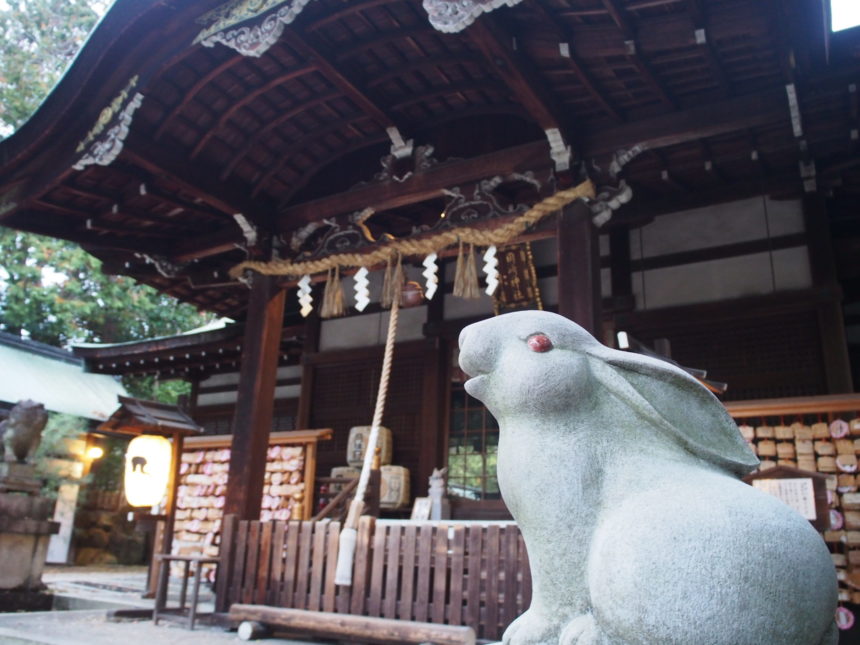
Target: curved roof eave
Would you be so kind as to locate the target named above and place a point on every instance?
(89, 82)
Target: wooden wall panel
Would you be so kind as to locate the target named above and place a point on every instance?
(344, 396)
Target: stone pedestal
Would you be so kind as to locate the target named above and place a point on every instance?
(25, 528)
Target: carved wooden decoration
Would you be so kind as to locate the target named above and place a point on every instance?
(451, 16)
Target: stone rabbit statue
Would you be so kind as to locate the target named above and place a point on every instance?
(623, 474)
(21, 431)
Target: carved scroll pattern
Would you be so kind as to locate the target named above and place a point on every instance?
(104, 141)
(482, 203)
(451, 16)
(250, 39)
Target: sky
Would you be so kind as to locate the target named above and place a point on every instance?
(846, 14)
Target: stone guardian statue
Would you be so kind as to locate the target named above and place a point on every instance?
(21, 431)
(623, 473)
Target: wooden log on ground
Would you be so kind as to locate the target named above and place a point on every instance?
(351, 627)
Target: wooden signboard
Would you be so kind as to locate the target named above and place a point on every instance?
(518, 285)
(802, 490)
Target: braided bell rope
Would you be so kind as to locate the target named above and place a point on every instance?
(498, 236)
(370, 450)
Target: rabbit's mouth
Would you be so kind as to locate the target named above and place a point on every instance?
(477, 385)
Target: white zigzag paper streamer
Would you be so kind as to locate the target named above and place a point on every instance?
(305, 298)
(431, 269)
(362, 292)
(491, 270)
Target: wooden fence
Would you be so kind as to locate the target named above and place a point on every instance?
(473, 574)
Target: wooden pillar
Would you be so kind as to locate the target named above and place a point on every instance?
(831, 322)
(256, 397)
(620, 265)
(166, 545)
(434, 405)
(311, 346)
(579, 268)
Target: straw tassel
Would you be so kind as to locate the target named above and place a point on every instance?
(385, 299)
(392, 284)
(332, 305)
(466, 275)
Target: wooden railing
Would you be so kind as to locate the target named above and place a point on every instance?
(473, 574)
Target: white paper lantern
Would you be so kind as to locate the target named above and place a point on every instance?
(147, 470)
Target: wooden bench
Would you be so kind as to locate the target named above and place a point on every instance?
(445, 573)
(345, 626)
(189, 615)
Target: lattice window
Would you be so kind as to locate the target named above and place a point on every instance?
(473, 446)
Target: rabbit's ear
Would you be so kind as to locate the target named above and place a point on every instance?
(674, 401)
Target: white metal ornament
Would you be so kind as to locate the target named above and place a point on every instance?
(362, 290)
(305, 298)
(430, 273)
(491, 270)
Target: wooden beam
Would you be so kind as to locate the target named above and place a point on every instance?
(524, 80)
(195, 179)
(256, 395)
(695, 123)
(421, 186)
(335, 75)
(700, 21)
(566, 38)
(629, 31)
(579, 268)
(665, 130)
(246, 98)
(195, 248)
(350, 627)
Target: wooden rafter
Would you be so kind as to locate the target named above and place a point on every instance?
(432, 63)
(495, 44)
(253, 140)
(712, 119)
(301, 144)
(195, 179)
(355, 6)
(628, 30)
(700, 21)
(247, 98)
(336, 76)
(189, 95)
(566, 39)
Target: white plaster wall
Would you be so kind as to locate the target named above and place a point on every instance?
(746, 275)
(370, 329)
(717, 225)
(225, 398)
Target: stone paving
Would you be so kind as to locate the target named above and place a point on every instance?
(82, 588)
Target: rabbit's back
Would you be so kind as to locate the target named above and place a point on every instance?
(709, 554)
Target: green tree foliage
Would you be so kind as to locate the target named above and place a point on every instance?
(38, 39)
(52, 289)
(56, 292)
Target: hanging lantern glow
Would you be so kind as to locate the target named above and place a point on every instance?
(147, 470)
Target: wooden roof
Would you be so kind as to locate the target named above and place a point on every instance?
(138, 416)
(293, 133)
(206, 352)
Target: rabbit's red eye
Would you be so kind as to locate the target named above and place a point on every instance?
(539, 343)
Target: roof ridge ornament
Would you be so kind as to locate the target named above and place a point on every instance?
(451, 16)
(250, 39)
